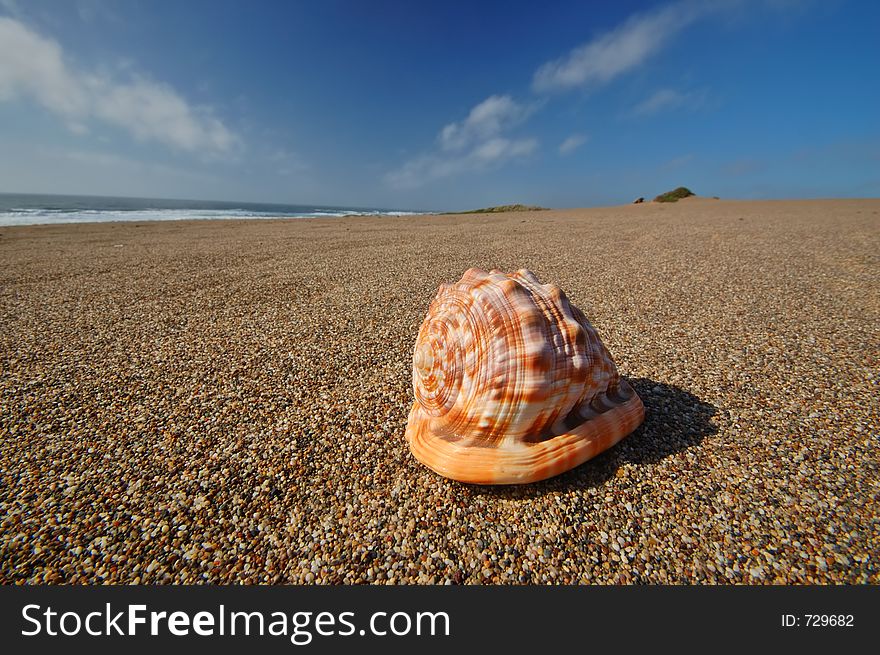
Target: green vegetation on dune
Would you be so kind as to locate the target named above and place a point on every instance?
(502, 208)
(674, 195)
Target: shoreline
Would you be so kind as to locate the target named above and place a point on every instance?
(395, 214)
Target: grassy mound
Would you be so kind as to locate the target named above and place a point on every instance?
(674, 195)
(503, 208)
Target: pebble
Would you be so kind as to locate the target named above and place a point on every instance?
(225, 402)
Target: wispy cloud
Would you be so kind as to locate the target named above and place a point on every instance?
(33, 67)
(667, 99)
(677, 162)
(287, 163)
(618, 51)
(108, 160)
(572, 143)
(31, 167)
(744, 166)
(11, 7)
(473, 144)
(91, 11)
(490, 117)
(489, 154)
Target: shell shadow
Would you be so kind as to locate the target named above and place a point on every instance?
(675, 420)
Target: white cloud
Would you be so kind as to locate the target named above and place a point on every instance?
(484, 156)
(490, 117)
(499, 149)
(666, 99)
(617, 51)
(150, 110)
(572, 143)
(34, 67)
(473, 144)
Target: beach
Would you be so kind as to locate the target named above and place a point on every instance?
(225, 401)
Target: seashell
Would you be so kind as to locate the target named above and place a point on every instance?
(512, 383)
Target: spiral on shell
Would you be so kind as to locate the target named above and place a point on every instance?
(512, 383)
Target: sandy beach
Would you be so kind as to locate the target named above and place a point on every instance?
(225, 401)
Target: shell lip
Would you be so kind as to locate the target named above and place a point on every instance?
(460, 459)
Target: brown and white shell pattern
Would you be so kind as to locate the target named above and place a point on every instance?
(512, 383)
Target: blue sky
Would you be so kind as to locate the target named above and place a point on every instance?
(440, 105)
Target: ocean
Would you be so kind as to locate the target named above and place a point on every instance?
(34, 209)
